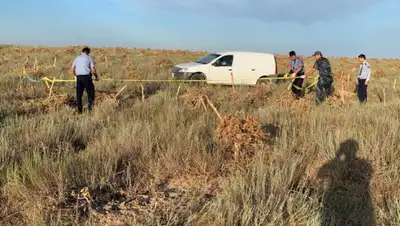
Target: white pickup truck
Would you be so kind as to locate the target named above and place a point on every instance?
(245, 68)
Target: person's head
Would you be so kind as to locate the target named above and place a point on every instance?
(362, 58)
(317, 55)
(86, 50)
(348, 150)
(292, 55)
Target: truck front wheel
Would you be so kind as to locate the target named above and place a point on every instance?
(197, 77)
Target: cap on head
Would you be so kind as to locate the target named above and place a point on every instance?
(317, 53)
(362, 56)
(292, 53)
(86, 50)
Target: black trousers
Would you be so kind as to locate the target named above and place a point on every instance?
(84, 82)
(362, 91)
(297, 86)
(324, 89)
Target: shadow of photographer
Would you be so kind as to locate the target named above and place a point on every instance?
(347, 199)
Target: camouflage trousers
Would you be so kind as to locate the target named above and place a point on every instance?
(324, 89)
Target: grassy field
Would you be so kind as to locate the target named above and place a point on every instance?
(162, 157)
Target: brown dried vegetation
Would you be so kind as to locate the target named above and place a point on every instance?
(240, 136)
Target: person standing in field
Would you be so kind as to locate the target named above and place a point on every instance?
(325, 80)
(296, 69)
(363, 77)
(83, 68)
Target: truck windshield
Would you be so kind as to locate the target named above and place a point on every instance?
(207, 59)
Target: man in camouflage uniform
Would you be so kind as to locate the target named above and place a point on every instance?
(325, 80)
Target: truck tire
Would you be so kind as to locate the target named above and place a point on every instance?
(267, 82)
(198, 76)
(264, 82)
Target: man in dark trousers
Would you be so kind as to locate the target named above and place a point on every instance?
(325, 80)
(363, 77)
(296, 69)
(83, 68)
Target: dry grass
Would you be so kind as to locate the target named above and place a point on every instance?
(167, 159)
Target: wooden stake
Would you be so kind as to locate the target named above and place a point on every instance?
(342, 93)
(291, 83)
(384, 96)
(51, 87)
(394, 83)
(177, 92)
(36, 66)
(213, 107)
(129, 60)
(119, 92)
(47, 84)
(348, 77)
(202, 102)
(55, 61)
(236, 152)
(233, 83)
(142, 92)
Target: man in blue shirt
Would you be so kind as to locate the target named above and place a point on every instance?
(296, 69)
(363, 77)
(83, 68)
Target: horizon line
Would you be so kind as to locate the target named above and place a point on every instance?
(173, 49)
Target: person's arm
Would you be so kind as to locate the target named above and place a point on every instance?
(289, 68)
(93, 68)
(299, 69)
(358, 72)
(312, 70)
(73, 68)
(368, 69)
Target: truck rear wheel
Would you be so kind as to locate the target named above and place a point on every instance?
(264, 82)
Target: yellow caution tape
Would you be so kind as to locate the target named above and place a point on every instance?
(308, 87)
(54, 80)
(47, 80)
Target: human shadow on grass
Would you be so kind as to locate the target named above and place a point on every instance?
(347, 200)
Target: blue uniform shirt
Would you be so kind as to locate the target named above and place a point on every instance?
(83, 64)
(295, 64)
(365, 71)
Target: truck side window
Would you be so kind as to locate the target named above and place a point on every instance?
(225, 61)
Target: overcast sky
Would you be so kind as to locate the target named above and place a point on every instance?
(337, 27)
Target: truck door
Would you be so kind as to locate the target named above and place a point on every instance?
(221, 69)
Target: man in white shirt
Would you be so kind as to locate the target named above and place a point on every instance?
(296, 68)
(83, 68)
(363, 77)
